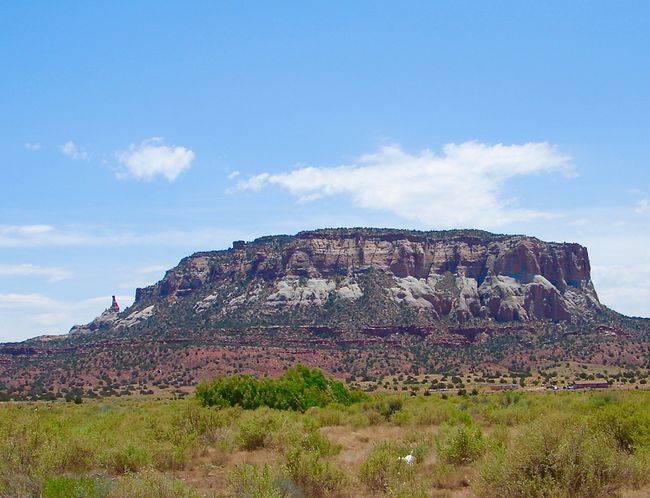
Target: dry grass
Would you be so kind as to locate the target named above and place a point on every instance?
(176, 448)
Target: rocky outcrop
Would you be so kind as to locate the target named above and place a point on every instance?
(457, 275)
(104, 321)
(114, 306)
(110, 318)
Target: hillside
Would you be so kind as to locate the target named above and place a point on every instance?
(363, 302)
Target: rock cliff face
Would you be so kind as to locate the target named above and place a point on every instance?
(373, 276)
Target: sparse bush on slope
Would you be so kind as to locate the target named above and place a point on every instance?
(248, 481)
(556, 458)
(386, 470)
(64, 487)
(462, 444)
(313, 475)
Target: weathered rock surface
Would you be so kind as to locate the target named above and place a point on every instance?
(110, 318)
(456, 275)
(104, 321)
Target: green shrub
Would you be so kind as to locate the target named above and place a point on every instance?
(461, 444)
(388, 407)
(247, 481)
(359, 420)
(65, 487)
(510, 408)
(428, 412)
(384, 468)
(507, 398)
(500, 436)
(313, 475)
(600, 399)
(150, 484)
(298, 388)
(639, 469)
(315, 442)
(628, 425)
(257, 431)
(327, 416)
(207, 424)
(265, 427)
(555, 458)
(129, 458)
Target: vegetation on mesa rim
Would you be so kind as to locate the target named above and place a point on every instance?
(298, 388)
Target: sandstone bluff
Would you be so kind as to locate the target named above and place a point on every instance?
(318, 277)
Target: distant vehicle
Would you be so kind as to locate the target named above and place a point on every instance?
(570, 387)
(591, 385)
(552, 388)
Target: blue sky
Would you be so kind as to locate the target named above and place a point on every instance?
(134, 134)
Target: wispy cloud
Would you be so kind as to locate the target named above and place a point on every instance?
(38, 235)
(13, 301)
(151, 159)
(25, 230)
(52, 274)
(643, 206)
(146, 270)
(462, 187)
(32, 146)
(50, 236)
(72, 151)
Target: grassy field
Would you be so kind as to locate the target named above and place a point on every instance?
(510, 444)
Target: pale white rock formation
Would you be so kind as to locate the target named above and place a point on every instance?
(292, 291)
(205, 303)
(413, 292)
(135, 317)
(349, 291)
(295, 291)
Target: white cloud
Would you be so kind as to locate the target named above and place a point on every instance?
(643, 206)
(32, 146)
(51, 273)
(233, 174)
(71, 150)
(25, 229)
(38, 235)
(151, 158)
(463, 187)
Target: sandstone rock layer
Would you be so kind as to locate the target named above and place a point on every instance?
(449, 275)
